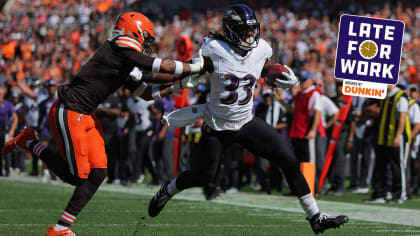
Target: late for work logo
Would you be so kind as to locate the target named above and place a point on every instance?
(369, 50)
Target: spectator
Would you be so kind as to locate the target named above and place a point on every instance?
(390, 143)
(414, 119)
(44, 125)
(8, 124)
(33, 96)
(143, 134)
(362, 145)
(107, 114)
(164, 145)
(329, 115)
(274, 114)
(307, 119)
(344, 145)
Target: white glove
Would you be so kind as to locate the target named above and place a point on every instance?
(192, 80)
(198, 62)
(188, 82)
(290, 82)
(136, 74)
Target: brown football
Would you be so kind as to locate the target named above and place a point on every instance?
(274, 72)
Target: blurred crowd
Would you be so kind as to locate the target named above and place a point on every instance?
(43, 43)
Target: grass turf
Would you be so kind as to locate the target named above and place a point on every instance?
(27, 209)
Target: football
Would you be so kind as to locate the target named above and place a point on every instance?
(274, 72)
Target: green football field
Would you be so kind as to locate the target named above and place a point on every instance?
(27, 207)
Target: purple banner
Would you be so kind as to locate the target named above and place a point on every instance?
(369, 49)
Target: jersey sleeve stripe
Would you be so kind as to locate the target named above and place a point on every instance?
(126, 44)
(129, 39)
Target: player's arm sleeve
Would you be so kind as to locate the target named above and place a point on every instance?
(268, 53)
(157, 65)
(208, 54)
(137, 59)
(134, 85)
(266, 67)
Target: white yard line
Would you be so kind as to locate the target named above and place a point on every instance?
(380, 213)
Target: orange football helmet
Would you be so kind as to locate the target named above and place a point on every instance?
(138, 26)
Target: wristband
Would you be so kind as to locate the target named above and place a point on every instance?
(156, 92)
(176, 87)
(156, 65)
(140, 90)
(179, 68)
(195, 68)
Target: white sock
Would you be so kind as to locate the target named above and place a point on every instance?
(309, 205)
(172, 190)
(58, 227)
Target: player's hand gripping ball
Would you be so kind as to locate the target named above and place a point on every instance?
(281, 77)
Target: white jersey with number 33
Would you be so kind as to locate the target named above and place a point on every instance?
(232, 83)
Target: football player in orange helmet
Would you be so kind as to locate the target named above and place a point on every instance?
(82, 160)
(137, 26)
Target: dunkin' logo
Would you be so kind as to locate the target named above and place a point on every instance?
(364, 89)
(368, 50)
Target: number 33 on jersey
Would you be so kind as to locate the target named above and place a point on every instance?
(233, 82)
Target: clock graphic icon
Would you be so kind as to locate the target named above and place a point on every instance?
(368, 49)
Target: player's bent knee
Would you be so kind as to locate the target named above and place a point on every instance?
(287, 161)
(97, 175)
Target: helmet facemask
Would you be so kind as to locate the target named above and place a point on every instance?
(248, 35)
(241, 32)
(148, 41)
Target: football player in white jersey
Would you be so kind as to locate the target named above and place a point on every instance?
(239, 58)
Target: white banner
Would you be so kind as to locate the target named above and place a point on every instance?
(364, 89)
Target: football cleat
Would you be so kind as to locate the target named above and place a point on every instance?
(159, 200)
(321, 222)
(27, 134)
(64, 232)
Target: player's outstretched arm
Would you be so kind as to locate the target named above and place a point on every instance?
(156, 92)
(198, 59)
(159, 65)
(149, 77)
(200, 65)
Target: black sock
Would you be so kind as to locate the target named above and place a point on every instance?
(55, 162)
(83, 193)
